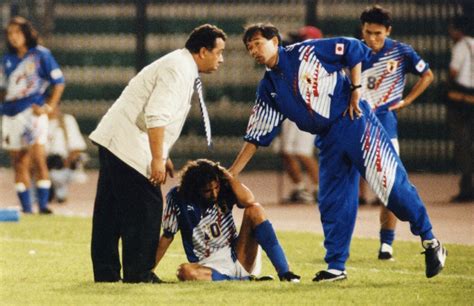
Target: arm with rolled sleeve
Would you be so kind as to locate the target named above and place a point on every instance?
(160, 110)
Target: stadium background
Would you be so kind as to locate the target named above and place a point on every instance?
(101, 44)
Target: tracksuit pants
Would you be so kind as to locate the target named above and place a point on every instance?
(129, 208)
(361, 146)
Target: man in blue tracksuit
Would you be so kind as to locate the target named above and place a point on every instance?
(306, 83)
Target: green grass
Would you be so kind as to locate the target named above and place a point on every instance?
(46, 260)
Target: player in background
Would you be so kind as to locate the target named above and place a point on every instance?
(65, 153)
(383, 81)
(201, 208)
(27, 71)
(306, 83)
(296, 146)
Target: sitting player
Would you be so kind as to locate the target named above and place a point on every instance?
(201, 207)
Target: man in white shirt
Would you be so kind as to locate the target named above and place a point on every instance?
(134, 139)
(461, 105)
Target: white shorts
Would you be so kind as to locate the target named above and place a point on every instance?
(222, 262)
(294, 141)
(23, 130)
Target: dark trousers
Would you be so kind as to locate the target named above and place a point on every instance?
(129, 208)
(461, 121)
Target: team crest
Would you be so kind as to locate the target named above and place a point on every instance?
(30, 68)
(392, 66)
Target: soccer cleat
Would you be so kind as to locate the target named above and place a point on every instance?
(300, 196)
(290, 277)
(261, 278)
(45, 211)
(435, 257)
(385, 252)
(326, 276)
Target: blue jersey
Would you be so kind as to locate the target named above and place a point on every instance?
(26, 79)
(307, 86)
(203, 231)
(384, 74)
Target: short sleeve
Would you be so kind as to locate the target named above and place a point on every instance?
(164, 101)
(50, 69)
(416, 64)
(170, 214)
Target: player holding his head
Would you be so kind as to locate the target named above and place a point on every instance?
(201, 208)
(307, 84)
(27, 71)
(383, 81)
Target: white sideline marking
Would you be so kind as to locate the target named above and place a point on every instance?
(58, 243)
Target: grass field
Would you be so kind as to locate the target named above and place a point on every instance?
(46, 260)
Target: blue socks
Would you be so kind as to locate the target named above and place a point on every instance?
(217, 276)
(42, 192)
(24, 196)
(266, 237)
(387, 236)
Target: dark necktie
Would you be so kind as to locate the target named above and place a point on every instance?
(205, 115)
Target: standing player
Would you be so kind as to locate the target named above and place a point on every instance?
(306, 83)
(201, 208)
(27, 70)
(383, 81)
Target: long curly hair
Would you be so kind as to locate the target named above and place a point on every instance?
(196, 175)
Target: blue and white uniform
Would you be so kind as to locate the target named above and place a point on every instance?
(25, 81)
(384, 79)
(209, 235)
(310, 87)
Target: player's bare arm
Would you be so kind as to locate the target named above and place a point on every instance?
(52, 102)
(163, 246)
(158, 164)
(420, 86)
(245, 154)
(356, 93)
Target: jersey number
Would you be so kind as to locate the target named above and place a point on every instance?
(371, 82)
(215, 230)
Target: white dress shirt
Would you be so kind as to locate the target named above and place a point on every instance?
(462, 58)
(159, 95)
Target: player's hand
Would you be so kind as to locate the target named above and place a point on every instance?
(169, 167)
(40, 110)
(227, 173)
(401, 104)
(158, 171)
(354, 109)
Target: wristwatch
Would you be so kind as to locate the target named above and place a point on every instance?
(354, 87)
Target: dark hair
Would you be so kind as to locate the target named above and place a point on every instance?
(267, 30)
(196, 175)
(204, 36)
(376, 14)
(30, 33)
(460, 23)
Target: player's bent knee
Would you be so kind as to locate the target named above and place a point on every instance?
(255, 213)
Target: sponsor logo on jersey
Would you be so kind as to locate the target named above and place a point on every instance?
(339, 49)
